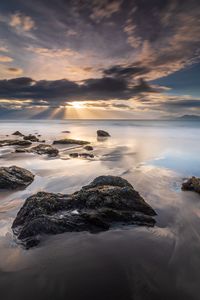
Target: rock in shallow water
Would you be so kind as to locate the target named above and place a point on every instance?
(105, 202)
(40, 149)
(15, 143)
(31, 138)
(192, 184)
(82, 155)
(17, 133)
(70, 142)
(102, 133)
(88, 148)
(14, 177)
(45, 149)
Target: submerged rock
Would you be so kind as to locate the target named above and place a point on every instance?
(106, 201)
(102, 133)
(15, 143)
(70, 141)
(18, 133)
(192, 184)
(14, 177)
(31, 138)
(88, 148)
(40, 149)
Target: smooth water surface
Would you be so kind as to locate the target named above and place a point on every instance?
(125, 263)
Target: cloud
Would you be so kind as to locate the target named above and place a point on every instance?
(4, 58)
(15, 71)
(53, 52)
(3, 48)
(62, 91)
(71, 32)
(9, 71)
(21, 22)
(164, 36)
(126, 71)
(104, 50)
(104, 9)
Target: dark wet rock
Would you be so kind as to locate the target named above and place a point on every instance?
(107, 201)
(14, 177)
(18, 133)
(88, 148)
(45, 149)
(66, 131)
(31, 138)
(71, 141)
(86, 155)
(192, 184)
(102, 133)
(40, 149)
(73, 155)
(21, 150)
(15, 143)
(82, 155)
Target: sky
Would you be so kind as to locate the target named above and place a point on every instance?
(62, 59)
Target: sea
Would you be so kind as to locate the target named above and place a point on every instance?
(124, 263)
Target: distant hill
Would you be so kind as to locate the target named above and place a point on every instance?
(188, 118)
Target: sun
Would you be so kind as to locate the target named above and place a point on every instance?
(77, 105)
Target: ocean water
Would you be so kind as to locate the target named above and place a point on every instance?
(135, 263)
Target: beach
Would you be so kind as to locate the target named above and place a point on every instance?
(128, 262)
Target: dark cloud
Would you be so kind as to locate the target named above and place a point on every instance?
(182, 104)
(126, 71)
(64, 90)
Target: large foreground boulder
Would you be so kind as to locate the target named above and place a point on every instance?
(105, 202)
(14, 177)
(192, 184)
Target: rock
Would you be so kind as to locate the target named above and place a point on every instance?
(192, 184)
(66, 131)
(88, 148)
(31, 138)
(73, 155)
(83, 155)
(21, 150)
(106, 201)
(15, 143)
(14, 177)
(86, 155)
(45, 149)
(40, 149)
(71, 141)
(18, 133)
(102, 133)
